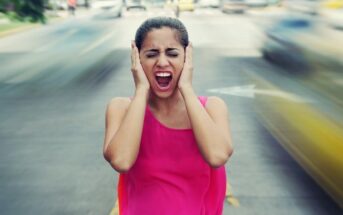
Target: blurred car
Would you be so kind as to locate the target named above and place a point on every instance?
(109, 8)
(332, 12)
(208, 3)
(257, 3)
(84, 3)
(282, 44)
(313, 135)
(135, 5)
(159, 3)
(303, 6)
(61, 4)
(303, 44)
(275, 2)
(185, 5)
(233, 6)
(333, 4)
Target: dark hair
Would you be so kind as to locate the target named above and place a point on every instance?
(158, 23)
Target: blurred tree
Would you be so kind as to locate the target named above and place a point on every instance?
(24, 10)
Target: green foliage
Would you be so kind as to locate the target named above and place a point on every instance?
(24, 10)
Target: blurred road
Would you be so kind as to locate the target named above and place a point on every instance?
(55, 82)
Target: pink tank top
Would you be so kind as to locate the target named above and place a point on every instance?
(170, 177)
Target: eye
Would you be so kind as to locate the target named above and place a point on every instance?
(173, 54)
(151, 55)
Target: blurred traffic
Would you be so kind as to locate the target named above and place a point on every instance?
(304, 41)
(278, 62)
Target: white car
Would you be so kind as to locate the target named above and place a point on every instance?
(61, 4)
(257, 3)
(108, 8)
(303, 6)
(105, 4)
(208, 3)
(233, 6)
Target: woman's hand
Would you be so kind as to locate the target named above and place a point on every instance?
(141, 81)
(187, 71)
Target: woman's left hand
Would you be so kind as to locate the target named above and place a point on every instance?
(187, 71)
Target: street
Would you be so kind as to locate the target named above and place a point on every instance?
(56, 81)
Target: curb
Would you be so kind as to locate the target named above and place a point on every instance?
(18, 29)
(28, 27)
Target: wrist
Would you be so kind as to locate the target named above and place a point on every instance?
(142, 92)
(186, 89)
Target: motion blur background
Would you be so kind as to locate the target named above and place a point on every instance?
(277, 64)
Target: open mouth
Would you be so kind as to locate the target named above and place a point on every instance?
(163, 79)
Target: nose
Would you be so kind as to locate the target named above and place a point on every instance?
(162, 61)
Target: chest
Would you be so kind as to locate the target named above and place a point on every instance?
(168, 152)
(178, 119)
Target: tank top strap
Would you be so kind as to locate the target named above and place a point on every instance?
(203, 100)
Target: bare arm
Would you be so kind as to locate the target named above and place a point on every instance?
(124, 121)
(124, 125)
(210, 125)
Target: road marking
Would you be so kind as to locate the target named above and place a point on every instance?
(338, 81)
(97, 43)
(115, 209)
(49, 46)
(250, 91)
(18, 29)
(229, 196)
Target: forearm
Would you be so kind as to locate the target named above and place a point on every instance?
(124, 146)
(213, 145)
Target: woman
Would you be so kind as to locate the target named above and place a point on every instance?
(72, 6)
(169, 145)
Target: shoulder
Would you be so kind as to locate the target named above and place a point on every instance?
(213, 101)
(118, 104)
(216, 104)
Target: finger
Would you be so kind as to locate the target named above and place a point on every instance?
(137, 55)
(135, 52)
(189, 54)
(133, 61)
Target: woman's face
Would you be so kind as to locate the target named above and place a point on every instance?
(162, 57)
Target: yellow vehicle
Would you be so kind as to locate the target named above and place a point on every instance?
(185, 5)
(333, 4)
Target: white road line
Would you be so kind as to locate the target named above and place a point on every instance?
(50, 45)
(338, 81)
(250, 91)
(97, 43)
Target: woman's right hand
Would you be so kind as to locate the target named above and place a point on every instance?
(141, 81)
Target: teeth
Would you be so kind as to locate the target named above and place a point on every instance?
(163, 74)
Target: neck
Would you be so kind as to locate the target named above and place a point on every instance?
(166, 105)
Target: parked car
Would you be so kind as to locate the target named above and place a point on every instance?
(135, 5)
(61, 4)
(208, 3)
(185, 5)
(108, 8)
(84, 3)
(257, 3)
(233, 6)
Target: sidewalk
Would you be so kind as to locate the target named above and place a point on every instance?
(8, 27)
